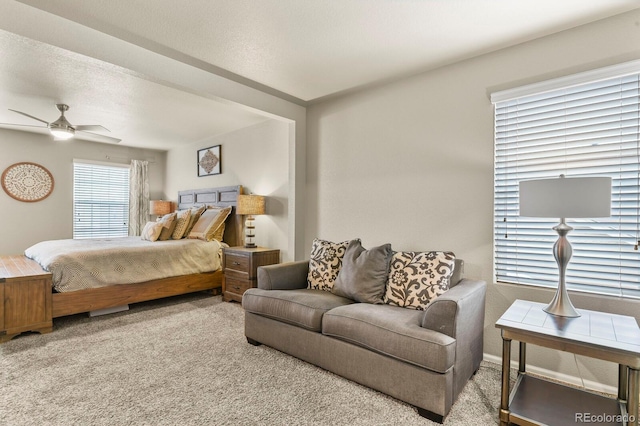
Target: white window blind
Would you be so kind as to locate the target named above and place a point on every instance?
(100, 200)
(591, 129)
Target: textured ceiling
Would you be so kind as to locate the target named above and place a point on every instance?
(314, 48)
(300, 50)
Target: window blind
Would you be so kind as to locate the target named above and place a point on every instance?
(100, 200)
(590, 129)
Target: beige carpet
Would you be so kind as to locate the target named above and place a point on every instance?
(185, 361)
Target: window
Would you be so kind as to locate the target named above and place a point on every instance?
(575, 127)
(100, 200)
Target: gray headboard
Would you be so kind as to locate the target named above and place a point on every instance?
(222, 196)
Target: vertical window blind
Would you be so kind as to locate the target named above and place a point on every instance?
(100, 200)
(590, 129)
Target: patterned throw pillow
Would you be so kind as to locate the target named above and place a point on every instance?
(151, 231)
(416, 278)
(325, 263)
(182, 221)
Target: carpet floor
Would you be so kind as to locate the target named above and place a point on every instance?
(185, 361)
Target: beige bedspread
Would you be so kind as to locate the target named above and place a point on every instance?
(92, 263)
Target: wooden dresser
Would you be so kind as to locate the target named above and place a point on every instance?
(240, 267)
(25, 295)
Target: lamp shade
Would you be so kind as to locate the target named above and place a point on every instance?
(566, 197)
(161, 207)
(250, 205)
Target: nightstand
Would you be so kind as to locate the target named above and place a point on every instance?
(240, 266)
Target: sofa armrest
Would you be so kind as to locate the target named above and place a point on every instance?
(283, 276)
(459, 310)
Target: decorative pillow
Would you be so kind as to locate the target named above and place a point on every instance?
(209, 222)
(195, 215)
(151, 231)
(182, 221)
(325, 263)
(219, 232)
(168, 225)
(416, 278)
(364, 273)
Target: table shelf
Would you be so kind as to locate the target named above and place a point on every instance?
(535, 401)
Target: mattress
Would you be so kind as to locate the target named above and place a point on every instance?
(93, 263)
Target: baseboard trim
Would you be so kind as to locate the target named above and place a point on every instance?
(566, 378)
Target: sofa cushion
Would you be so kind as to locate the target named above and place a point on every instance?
(364, 273)
(417, 278)
(325, 263)
(302, 307)
(392, 331)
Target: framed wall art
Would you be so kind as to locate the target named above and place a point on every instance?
(209, 162)
(28, 182)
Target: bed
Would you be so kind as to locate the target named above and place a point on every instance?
(104, 297)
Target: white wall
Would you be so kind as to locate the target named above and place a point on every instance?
(25, 224)
(256, 157)
(411, 163)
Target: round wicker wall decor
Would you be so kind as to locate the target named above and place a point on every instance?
(29, 182)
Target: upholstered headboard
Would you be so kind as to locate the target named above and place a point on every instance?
(223, 196)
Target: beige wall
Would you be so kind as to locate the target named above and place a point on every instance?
(255, 157)
(411, 163)
(28, 223)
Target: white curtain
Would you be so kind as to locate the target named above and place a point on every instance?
(138, 196)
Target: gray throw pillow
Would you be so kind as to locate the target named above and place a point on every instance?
(364, 273)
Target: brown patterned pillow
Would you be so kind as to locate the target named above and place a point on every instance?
(325, 263)
(416, 278)
(182, 221)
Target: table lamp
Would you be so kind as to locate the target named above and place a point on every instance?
(250, 205)
(565, 198)
(160, 207)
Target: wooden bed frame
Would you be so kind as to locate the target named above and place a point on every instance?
(109, 297)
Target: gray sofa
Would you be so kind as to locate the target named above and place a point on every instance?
(424, 358)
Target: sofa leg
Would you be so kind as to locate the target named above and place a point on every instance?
(253, 342)
(430, 415)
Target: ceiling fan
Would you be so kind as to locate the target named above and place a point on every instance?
(61, 129)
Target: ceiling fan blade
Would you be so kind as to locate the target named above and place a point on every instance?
(85, 127)
(103, 138)
(30, 116)
(23, 125)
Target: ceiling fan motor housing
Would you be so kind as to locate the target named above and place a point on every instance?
(61, 128)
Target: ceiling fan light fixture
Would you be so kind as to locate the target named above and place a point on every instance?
(62, 133)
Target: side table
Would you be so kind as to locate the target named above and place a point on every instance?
(535, 401)
(240, 265)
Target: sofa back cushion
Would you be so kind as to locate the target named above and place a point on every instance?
(417, 278)
(325, 263)
(364, 273)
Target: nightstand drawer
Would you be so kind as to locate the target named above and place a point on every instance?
(233, 262)
(237, 287)
(241, 269)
